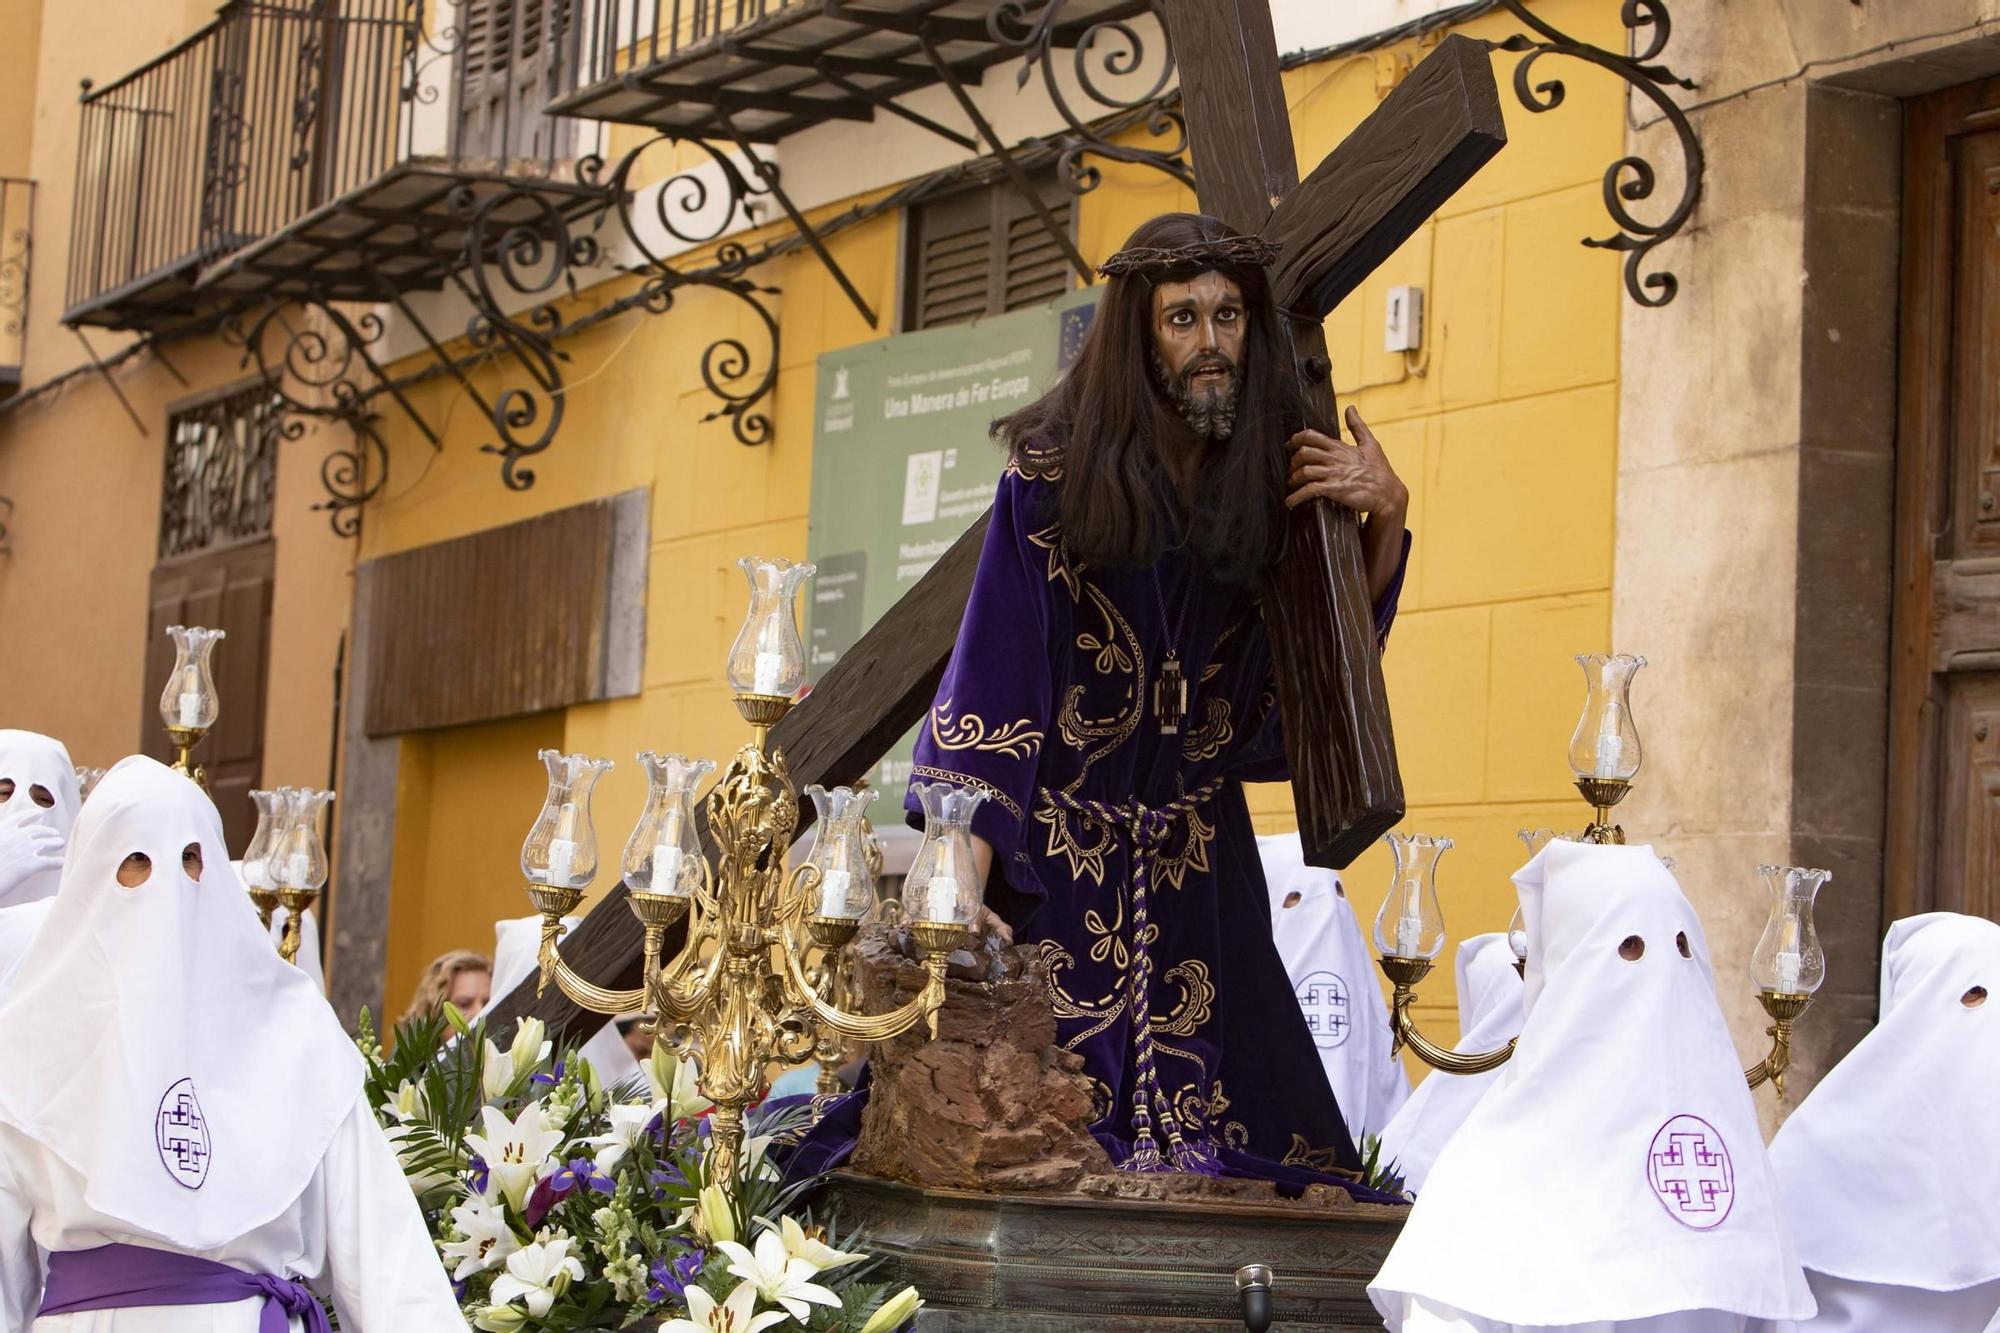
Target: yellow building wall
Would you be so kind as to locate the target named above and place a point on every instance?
(1504, 428)
(86, 480)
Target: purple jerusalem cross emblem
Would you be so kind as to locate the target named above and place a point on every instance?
(180, 1131)
(1690, 1173)
(1323, 1000)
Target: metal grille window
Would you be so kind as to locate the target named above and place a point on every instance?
(983, 253)
(222, 468)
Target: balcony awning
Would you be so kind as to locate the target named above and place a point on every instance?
(807, 64)
(405, 230)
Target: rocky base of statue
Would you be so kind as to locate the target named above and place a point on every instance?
(976, 1179)
(994, 1103)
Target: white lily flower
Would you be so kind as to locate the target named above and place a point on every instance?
(754, 1160)
(503, 1071)
(515, 1151)
(714, 1218)
(676, 1084)
(408, 1103)
(486, 1242)
(894, 1312)
(628, 1126)
(500, 1319)
(538, 1274)
(732, 1316)
(778, 1276)
(811, 1246)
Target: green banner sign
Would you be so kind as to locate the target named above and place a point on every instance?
(902, 465)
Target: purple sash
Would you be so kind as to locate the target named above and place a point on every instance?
(118, 1277)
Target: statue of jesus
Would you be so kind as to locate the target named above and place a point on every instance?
(1111, 690)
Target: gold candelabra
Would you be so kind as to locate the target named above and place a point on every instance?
(741, 991)
(184, 740)
(1604, 754)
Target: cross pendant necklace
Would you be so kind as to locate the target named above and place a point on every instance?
(1170, 691)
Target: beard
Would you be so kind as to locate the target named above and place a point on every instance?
(1211, 410)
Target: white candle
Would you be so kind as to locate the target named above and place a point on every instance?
(1788, 960)
(833, 893)
(190, 708)
(297, 866)
(1610, 745)
(561, 853)
(1409, 934)
(769, 667)
(941, 900)
(253, 873)
(1788, 972)
(666, 868)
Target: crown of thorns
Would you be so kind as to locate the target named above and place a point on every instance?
(1230, 250)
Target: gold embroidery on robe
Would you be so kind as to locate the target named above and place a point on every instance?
(1207, 740)
(968, 731)
(1326, 1161)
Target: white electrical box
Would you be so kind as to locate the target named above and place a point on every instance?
(1403, 320)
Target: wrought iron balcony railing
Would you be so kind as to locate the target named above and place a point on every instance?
(143, 161)
(315, 149)
(17, 213)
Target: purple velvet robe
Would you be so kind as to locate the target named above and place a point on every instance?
(1127, 852)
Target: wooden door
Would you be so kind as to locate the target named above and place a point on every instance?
(1944, 812)
(226, 588)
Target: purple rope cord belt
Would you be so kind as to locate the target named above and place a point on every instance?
(1147, 829)
(120, 1277)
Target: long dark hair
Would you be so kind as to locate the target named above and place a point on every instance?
(1110, 423)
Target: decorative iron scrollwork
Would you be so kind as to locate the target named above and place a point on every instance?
(728, 365)
(1630, 178)
(524, 238)
(312, 370)
(1125, 56)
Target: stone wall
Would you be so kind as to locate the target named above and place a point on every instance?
(1755, 489)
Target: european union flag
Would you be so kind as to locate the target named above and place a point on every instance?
(1075, 324)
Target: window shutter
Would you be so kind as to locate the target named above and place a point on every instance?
(1036, 272)
(981, 253)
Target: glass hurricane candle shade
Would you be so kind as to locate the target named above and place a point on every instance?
(189, 702)
(86, 781)
(768, 657)
(1410, 923)
(296, 856)
(273, 813)
(1788, 959)
(1605, 746)
(663, 855)
(1517, 936)
(943, 885)
(840, 852)
(561, 850)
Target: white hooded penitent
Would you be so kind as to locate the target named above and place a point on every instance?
(173, 1083)
(1489, 1016)
(1891, 1168)
(1331, 971)
(1615, 1172)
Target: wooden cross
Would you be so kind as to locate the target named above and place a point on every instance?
(1369, 195)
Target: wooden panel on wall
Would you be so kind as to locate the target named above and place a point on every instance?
(519, 619)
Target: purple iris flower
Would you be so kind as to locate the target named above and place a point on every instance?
(582, 1173)
(672, 1278)
(550, 1079)
(480, 1173)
